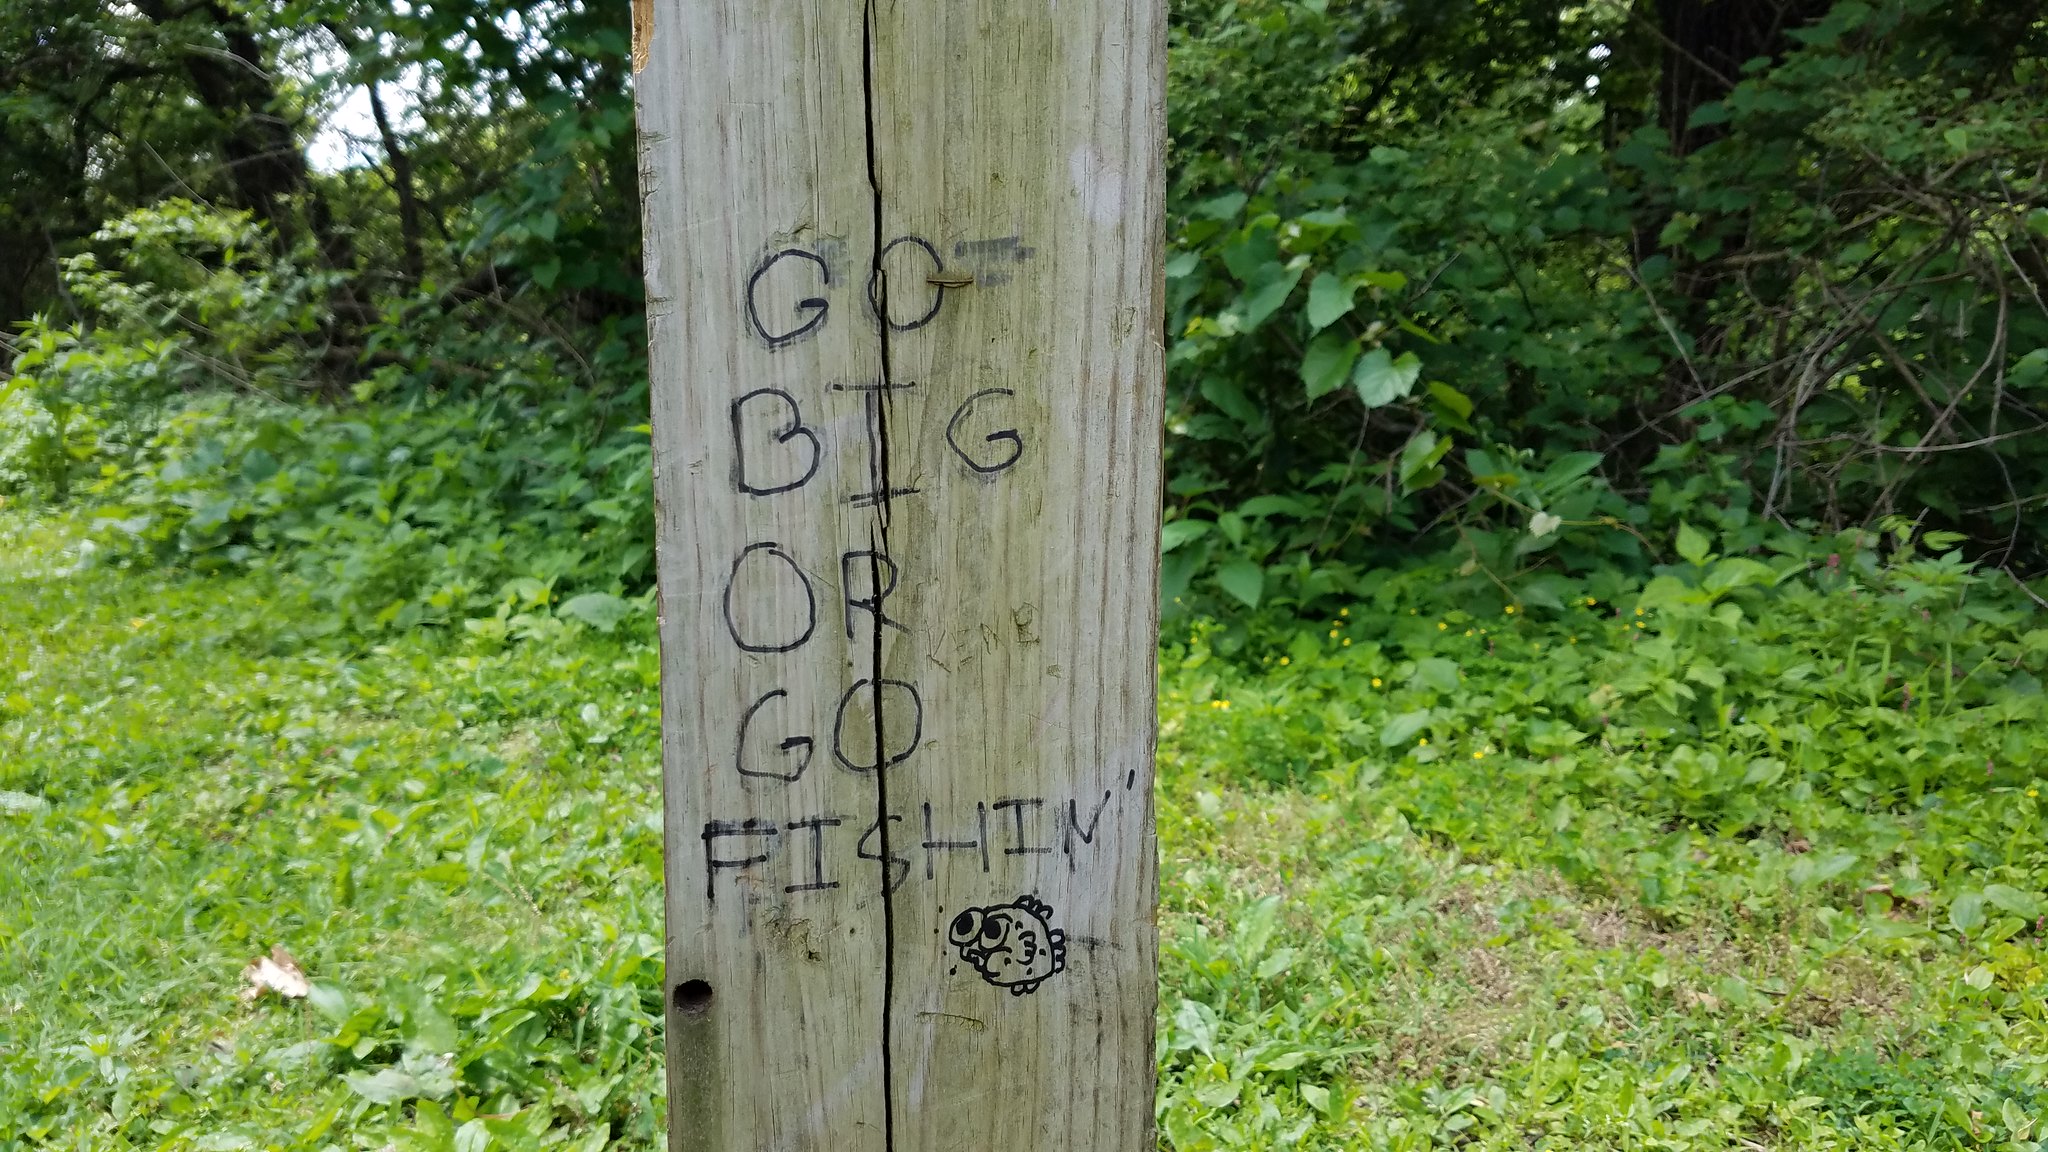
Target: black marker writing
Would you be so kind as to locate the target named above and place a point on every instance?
(1012, 945)
(932, 846)
(1072, 828)
(872, 400)
(1000, 248)
(717, 830)
(741, 477)
(997, 462)
(1020, 845)
(876, 695)
(789, 744)
(816, 825)
(899, 865)
(811, 310)
(869, 566)
(754, 558)
(913, 277)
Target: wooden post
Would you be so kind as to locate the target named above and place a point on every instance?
(905, 303)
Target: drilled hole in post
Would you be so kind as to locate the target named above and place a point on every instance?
(692, 997)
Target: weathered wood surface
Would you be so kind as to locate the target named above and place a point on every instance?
(908, 570)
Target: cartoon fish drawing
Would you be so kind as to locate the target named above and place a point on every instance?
(1012, 945)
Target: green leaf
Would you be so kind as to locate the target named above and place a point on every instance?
(329, 1001)
(1222, 207)
(600, 610)
(1316, 1096)
(1275, 284)
(2012, 900)
(1255, 931)
(1182, 264)
(1565, 469)
(1438, 673)
(546, 272)
(386, 1086)
(1273, 504)
(1966, 912)
(1419, 460)
(1734, 572)
(1244, 580)
(1228, 395)
(1381, 379)
(1453, 400)
(1178, 532)
(1220, 1094)
(2032, 368)
(1328, 362)
(1693, 545)
(1816, 868)
(1402, 729)
(1329, 300)
(1275, 964)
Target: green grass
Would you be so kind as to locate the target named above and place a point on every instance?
(1426, 889)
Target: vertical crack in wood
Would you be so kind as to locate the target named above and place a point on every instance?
(878, 549)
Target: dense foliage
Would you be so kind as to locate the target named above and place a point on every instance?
(1549, 314)
(1526, 282)
(1755, 858)
(1602, 685)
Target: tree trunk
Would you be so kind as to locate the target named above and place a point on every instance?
(265, 164)
(1706, 43)
(402, 184)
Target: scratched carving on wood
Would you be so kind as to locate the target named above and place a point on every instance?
(903, 280)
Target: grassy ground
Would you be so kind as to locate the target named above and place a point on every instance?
(1404, 907)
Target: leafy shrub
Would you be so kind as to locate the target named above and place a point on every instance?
(1759, 701)
(180, 408)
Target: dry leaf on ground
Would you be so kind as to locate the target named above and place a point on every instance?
(278, 972)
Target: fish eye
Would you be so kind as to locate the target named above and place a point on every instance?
(992, 930)
(965, 925)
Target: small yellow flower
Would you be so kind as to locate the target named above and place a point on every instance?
(1343, 611)
(1415, 611)
(1468, 631)
(1422, 743)
(2033, 792)
(1347, 641)
(1479, 755)
(1510, 610)
(137, 622)
(1590, 602)
(1284, 661)
(1575, 639)
(1440, 625)
(1639, 623)
(1333, 633)
(1375, 681)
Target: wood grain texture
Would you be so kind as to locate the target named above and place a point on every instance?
(905, 302)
